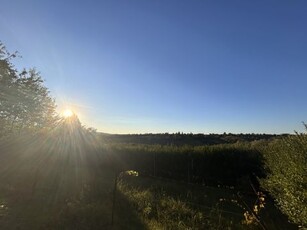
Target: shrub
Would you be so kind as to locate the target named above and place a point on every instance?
(286, 165)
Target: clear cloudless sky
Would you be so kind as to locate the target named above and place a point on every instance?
(136, 66)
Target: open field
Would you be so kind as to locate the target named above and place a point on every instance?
(46, 187)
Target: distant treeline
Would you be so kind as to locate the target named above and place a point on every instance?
(180, 139)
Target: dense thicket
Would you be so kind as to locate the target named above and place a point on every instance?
(219, 164)
(286, 164)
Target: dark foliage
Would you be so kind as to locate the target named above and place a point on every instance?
(180, 139)
(286, 165)
(210, 165)
(25, 103)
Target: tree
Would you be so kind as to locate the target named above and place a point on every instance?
(286, 164)
(8, 79)
(25, 103)
(36, 108)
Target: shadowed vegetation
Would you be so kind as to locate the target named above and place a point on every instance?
(286, 164)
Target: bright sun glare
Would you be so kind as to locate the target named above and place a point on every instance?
(67, 113)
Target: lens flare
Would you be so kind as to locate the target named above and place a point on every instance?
(67, 113)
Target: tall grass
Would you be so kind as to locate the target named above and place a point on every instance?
(169, 205)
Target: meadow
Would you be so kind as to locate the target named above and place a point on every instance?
(78, 181)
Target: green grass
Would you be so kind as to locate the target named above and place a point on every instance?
(169, 205)
(72, 188)
(163, 204)
(53, 189)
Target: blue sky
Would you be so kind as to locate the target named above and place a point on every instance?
(135, 66)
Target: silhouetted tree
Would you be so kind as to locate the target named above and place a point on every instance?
(25, 103)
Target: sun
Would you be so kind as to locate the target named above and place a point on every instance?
(67, 113)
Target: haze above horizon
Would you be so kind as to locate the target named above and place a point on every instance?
(167, 66)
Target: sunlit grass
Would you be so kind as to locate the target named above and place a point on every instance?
(163, 205)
